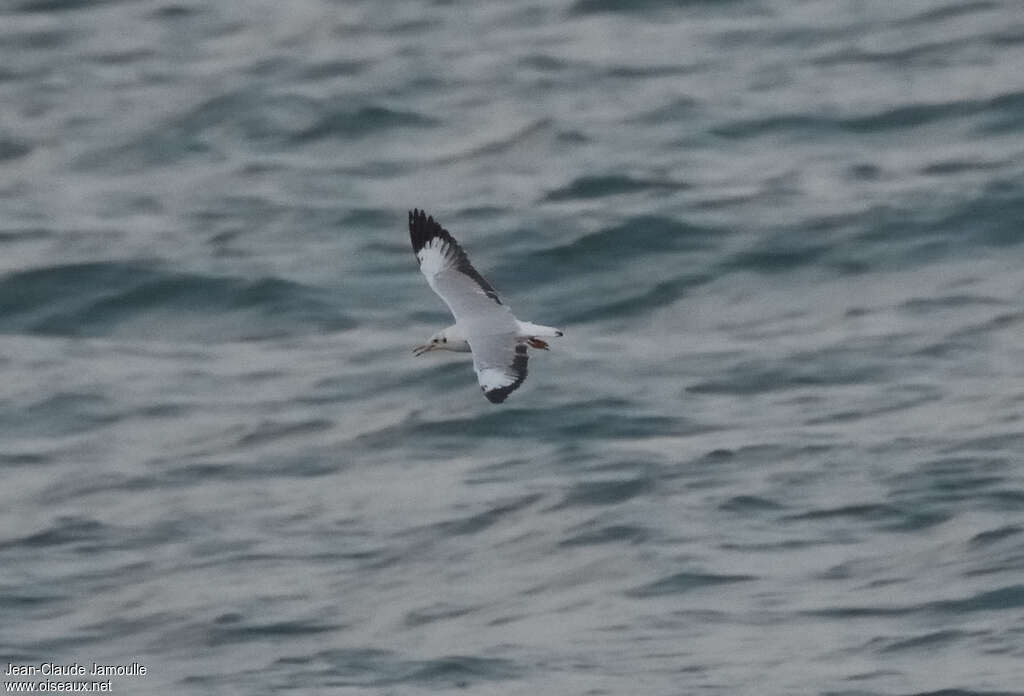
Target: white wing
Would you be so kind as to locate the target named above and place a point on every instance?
(448, 271)
(488, 325)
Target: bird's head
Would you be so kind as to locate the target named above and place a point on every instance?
(437, 342)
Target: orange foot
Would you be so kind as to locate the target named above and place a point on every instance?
(537, 343)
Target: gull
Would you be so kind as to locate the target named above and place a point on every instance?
(483, 325)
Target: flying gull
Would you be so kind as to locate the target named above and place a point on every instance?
(483, 324)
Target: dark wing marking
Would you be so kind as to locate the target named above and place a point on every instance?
(498, 381)
(422, 229)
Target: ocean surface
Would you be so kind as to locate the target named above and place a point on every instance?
(778, 451)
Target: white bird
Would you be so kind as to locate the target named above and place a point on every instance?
(483, 324)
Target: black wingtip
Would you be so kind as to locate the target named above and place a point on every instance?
(496, 396)
(422, 229)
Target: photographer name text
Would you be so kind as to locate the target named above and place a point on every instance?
(52, 669)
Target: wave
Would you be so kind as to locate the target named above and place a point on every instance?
(611, 185)
(134, 300)
(251, 120)
(1004, 111)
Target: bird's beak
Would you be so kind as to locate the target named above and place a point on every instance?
(420, 350)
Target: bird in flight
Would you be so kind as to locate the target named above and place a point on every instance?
(483, 324)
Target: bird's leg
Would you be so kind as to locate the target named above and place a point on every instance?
(536, 343)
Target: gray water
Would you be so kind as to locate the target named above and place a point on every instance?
(777, 451)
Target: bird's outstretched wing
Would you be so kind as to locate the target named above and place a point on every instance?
(472, 300)
(500, 364)
(450, 274)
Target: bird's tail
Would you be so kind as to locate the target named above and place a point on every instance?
(527, 328)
